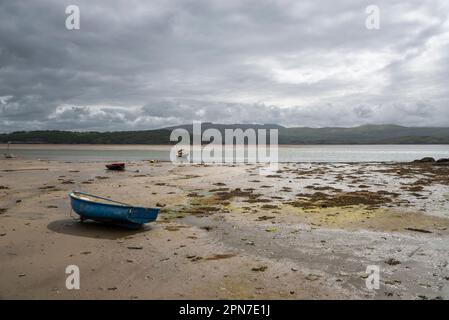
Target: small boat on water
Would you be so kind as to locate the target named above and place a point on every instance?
(116, 166)
(180, 154)
(92, 207)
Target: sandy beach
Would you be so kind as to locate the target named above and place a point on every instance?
(308, 231)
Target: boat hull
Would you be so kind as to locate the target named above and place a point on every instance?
(116, 166)
(126, 216)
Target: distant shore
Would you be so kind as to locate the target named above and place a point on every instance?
(364, 134)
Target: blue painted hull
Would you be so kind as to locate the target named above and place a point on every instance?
(126, 216)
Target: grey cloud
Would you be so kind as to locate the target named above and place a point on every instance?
(145, 64)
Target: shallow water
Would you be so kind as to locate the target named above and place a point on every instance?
(309, 153)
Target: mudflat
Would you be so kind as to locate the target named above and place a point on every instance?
(307, 231)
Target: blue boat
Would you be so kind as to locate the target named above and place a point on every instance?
(89, 207)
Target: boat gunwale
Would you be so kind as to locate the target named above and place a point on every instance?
(73, 196)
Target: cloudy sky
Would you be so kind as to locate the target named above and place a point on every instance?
(142, 64)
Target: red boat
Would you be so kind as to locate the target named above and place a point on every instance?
(116, 166)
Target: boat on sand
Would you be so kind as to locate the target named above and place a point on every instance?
(116, 166)
(92, 207)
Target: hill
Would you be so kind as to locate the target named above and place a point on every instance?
(367, 134)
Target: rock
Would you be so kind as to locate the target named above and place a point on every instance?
(425, 160)
(442, 162)
(160, 204)
(294, 269)
(392, 262)
(22, 275)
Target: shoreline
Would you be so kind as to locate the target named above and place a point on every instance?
(224, 232)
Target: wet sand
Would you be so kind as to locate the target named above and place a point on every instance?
(308, 231)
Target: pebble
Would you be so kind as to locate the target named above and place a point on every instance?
(392, 261)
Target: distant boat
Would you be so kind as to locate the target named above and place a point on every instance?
(92, 207)
(8, 155)
(116, 166)
(180, 154)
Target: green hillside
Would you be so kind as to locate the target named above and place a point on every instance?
(367, 134)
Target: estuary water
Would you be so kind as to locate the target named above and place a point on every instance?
(306, 153)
